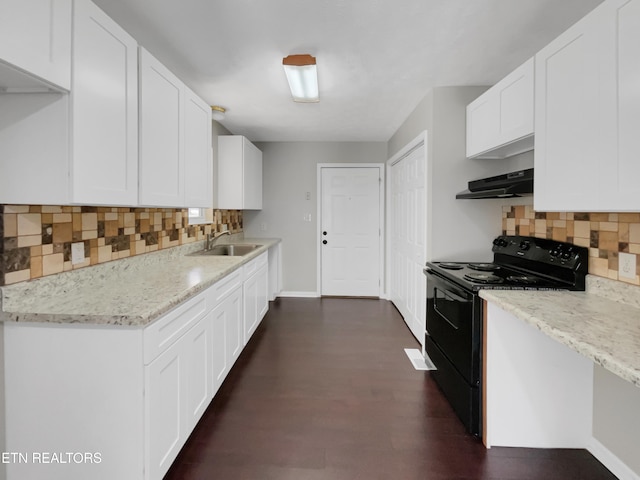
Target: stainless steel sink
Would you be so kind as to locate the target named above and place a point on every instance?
(230, 249)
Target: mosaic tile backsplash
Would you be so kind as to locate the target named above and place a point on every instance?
(36, 240)
(605, 234)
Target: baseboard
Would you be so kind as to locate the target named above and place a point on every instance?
(611, 461)
(298, 294)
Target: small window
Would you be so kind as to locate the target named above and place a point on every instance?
(197, 215)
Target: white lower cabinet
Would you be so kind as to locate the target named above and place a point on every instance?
(227, 336)
(129, 396)
(256, 294)
(178, 389)
(164, 396)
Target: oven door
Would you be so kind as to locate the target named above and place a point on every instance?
(453, 325)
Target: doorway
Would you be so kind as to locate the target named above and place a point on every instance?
(350, 241)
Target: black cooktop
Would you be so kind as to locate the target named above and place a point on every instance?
(500, 277)
(521, 263)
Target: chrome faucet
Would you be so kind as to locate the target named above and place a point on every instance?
(211, 237)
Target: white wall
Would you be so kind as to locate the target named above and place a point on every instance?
(616, 416)
(457, 229)
(289, 172)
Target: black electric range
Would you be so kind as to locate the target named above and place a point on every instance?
(455, 310)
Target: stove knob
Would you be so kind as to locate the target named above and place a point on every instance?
(501, 242)
(566, 255)
(554, 253)
(525, 245)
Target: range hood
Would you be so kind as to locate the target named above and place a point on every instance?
(514, 184)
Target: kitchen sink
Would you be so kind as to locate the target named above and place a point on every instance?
(229, 249)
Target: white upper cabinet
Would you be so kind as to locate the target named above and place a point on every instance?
(104, 110)
(620, 167)
(175, 140)
(161, 134)
(198, 152)
(500, 121)
(588, 114)
(239, 174)
(35, 37)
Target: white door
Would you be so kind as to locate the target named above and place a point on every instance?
(350, 231)
(407, 238)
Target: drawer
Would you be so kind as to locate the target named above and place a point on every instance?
(254, 265)
(223, 287)
(161, 334)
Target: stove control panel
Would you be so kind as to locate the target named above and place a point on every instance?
(560, 254)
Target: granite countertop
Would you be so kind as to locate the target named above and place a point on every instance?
(603, 323)
(127, 292)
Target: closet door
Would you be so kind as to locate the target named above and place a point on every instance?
(408, 219)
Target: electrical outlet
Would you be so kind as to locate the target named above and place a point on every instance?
(77, 253)
(308, 196)
(627, 265)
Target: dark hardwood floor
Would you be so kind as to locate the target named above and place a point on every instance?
(324, 390)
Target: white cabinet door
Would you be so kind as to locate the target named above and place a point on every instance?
(250, 310)
(104, 110)
(198, 154)
(587, 114)
(239, 173)
(262, 292)
(255, 294)
(500, 121)
(482, 124)
(567, 142)
(620, 168)
(227, 335)
(164, 409)
(234, 339)
(35, 36)
(516, 104)
(161, 134)
(198, 345)
(219, 358)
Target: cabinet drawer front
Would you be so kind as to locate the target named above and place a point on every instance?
(253, 266)
(163, 333)
(222, 288)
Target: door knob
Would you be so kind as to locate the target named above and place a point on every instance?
(324, 242)
(324, 233)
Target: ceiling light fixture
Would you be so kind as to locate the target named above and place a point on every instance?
(217, 113)
(302, 76)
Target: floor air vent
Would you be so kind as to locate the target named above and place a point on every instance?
(418, 361)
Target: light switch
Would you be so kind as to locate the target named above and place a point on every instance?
(77, 253)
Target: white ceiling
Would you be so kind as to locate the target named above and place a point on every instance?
(376, 58)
